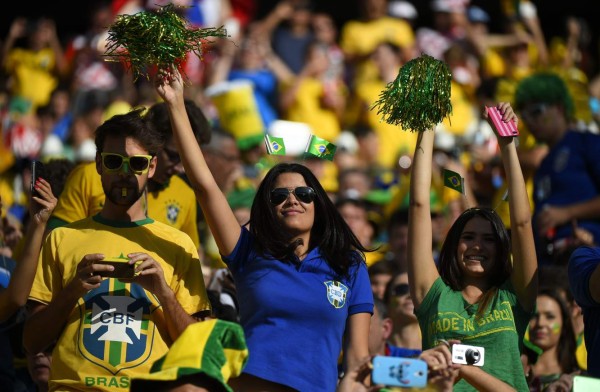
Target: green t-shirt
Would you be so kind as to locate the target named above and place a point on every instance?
(444, 314)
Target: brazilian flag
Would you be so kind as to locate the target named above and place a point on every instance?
(453, 180)
(275, 145)
(320, 148)
(214, 348)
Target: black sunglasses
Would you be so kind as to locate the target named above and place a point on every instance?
(138, 164)
(401, 289)
(303, 193)
(534, 111)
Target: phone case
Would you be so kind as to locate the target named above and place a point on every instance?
(504, 129)
(37, 171)
(399, 372)
(123, 269)
(585, 384)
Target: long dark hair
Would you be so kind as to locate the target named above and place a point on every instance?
(330, 232)
(567, 343)
(449, 266)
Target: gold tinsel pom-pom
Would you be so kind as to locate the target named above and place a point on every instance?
(159, 38)
(419, 97)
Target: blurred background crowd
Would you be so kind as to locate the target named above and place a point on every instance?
(294, 66)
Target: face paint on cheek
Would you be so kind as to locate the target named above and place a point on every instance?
(555, 328)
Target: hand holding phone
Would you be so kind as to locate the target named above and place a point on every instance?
(504, 129)
(399, 372)
(122, 268)
(37, 171)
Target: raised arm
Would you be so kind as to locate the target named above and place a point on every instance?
(21, 279)
(524, 276)
(422, 271)
(219, 216)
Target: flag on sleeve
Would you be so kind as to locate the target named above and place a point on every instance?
(453, 180)
(320, 148)
(275, 145)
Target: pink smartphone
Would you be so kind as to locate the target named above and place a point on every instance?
(504, 129)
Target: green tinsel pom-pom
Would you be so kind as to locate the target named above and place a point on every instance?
(160, 38)
(419, 98)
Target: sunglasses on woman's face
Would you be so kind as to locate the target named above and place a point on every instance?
(139, 164)
(305, 194)
(401, 289)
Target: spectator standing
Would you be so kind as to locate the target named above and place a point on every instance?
(71, 301)
(401, 309)
(34, 69)
(288, 243)
(483, 293)
(567, 181)
(168, 199)
(551, 330)
(584, 280)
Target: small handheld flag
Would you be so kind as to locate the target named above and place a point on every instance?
(453, 180)
(274, 145)
(320, 148)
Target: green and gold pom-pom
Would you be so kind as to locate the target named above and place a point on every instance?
(160, 39)
(419, 98)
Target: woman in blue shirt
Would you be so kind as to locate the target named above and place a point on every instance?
(300, 275)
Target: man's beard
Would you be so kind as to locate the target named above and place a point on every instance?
(125, 199)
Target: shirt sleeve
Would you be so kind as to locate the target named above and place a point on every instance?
(362, 293)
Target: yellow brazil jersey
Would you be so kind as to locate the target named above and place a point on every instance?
(117, 330)
(360, 38)
(393, 140)
(83, 196)
(32, 73)
(307, 108)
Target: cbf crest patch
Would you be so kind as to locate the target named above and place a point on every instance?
(173, 209)
(336, 293)
(115, 332)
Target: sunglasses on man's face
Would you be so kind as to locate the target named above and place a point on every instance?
(305, 194)
(139, 164)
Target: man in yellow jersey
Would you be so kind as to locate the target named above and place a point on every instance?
(169, 199)
(111, 321)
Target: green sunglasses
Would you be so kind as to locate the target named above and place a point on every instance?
(139, 164)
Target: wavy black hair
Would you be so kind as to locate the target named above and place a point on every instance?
(330, 232)
(449, 267)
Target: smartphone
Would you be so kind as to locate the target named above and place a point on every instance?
(123, 270)
(399, 372)
(585, 383)
(37, 171)
(468, 355)
(504, 129)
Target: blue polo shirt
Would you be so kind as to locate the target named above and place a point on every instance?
(294, 316)
(582, 264)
